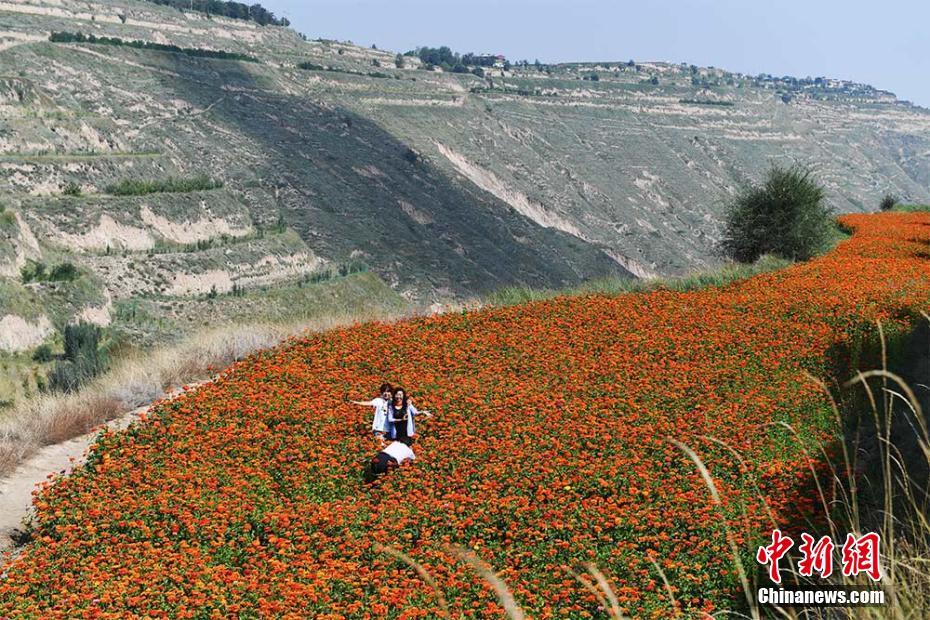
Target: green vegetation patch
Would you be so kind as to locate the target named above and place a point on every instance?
(79, 37)
(233, 10)
(722, 276)
(706, 102)
(37, 271)
(137, 187)
(19, 300)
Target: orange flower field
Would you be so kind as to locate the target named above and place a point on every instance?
(550, 446)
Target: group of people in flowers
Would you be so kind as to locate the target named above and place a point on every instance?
(394, 426)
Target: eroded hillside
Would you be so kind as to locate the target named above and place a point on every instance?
(444, 185)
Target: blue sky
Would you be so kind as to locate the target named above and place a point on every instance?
(884, 43)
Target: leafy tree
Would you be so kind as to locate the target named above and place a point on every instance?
(785, 216)
(888, 202)
(438, 55)
(234, 10)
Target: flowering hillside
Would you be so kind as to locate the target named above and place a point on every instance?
(549, 447)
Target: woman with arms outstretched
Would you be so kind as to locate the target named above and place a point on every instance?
(379, 424)
(400, 417)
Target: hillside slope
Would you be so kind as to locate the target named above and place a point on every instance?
(550, 447)
(445, 185)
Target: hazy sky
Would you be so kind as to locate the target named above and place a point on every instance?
(885, 43)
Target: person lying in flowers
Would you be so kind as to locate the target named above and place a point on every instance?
(391, 457)
(394, 415)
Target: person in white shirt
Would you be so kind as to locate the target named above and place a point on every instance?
(394, 455)
(379, 424)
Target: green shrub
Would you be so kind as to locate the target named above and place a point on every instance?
(42, 354)
(63, 272)
(36, 271)
(889, 201)
(72, 189)
(912, 208)
(785, 216)
(84, 359)
(64, 377)
(33, 271)
(82, 346)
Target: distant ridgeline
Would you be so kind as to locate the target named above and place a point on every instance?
(235, 10)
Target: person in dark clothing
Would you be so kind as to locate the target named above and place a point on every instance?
(400, 417)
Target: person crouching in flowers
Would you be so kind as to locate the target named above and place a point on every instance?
(400, 417)
(379, 424)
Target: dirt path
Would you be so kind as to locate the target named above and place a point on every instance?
(16, 489)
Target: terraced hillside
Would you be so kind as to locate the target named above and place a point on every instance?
(443, 185)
